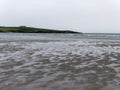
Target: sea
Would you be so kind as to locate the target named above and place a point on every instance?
(56, 61)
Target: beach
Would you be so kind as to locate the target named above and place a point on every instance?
(59, 62)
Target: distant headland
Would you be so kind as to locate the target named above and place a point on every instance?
(25, 29)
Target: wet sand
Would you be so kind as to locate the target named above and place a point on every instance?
(43, 63)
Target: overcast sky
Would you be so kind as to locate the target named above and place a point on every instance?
(79, 15)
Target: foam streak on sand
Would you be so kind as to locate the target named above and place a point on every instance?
(47, 63)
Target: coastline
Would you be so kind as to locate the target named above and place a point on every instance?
(25, 29)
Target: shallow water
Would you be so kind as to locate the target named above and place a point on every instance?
(59, 62)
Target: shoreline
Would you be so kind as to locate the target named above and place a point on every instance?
(25, 29)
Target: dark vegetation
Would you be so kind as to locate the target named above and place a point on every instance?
(24, 29)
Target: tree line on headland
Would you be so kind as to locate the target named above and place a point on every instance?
(25, 29)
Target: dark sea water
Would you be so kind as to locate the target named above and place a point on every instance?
(32, 61)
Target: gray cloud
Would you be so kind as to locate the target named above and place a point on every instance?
(78, 15)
